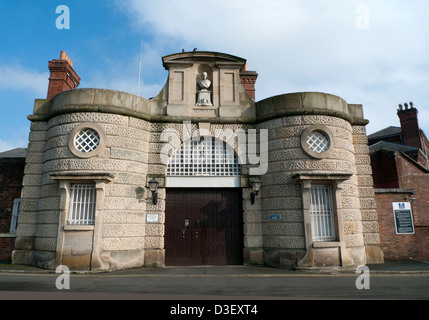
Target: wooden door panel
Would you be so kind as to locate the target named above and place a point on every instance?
(215, 232)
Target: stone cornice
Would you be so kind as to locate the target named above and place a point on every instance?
(122, 103)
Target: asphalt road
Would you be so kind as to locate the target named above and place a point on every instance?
(225, 283)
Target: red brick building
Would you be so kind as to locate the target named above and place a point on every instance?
(399, 159)
(11, 174)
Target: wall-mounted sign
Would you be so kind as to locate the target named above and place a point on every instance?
(274, 217)
(403, 217)
(152, 217)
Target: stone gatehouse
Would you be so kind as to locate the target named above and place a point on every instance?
(201, 174)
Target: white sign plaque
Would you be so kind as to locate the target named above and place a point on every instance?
(403, 217)
(152, 217)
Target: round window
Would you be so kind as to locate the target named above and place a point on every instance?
(86, 140)
(318, 141)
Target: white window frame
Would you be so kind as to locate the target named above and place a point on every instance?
(309, 149)
(318, 141)
(335, 180)
(66, 180)
(82, 204)
(95, 151)
(86, 140)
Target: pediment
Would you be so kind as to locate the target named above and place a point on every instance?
(192, 57)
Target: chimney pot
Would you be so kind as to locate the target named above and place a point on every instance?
(409, 126)
(63, 77)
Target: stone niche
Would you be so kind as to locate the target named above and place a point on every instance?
(204, 84)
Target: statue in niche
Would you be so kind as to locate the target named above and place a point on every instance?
(203, 95)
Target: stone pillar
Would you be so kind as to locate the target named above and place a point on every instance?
(27, 219)
(370, 230)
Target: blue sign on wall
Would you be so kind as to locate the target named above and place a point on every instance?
(275, 217)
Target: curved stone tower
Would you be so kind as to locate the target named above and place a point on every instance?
(317, 145)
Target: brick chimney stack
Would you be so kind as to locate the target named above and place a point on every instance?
(409, 125)
(248, 80)
(63, 76)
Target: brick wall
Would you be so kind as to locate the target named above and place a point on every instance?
(422, 235)
(394, 245)
(414, 177)
(5, 222)
(11, 175)
(384, 169)
(248, 80)
(6, 247)
(7, 242)
(398, 171)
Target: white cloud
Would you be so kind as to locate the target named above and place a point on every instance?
(18, 87)
(122, 83)
(6, 145)
(19, 78)
(307, 45)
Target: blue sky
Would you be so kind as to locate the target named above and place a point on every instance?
(372, 52)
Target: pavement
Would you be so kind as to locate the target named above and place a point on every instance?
(399, 266)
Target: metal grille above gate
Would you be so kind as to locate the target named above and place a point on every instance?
(205, 157)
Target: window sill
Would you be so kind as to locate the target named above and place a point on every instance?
(78, 228)
(326, 244)
(7, 235)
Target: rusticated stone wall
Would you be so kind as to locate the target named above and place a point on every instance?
(368, 213)
(125, 155)
(132, 154)
(29, 207)
(276, 227)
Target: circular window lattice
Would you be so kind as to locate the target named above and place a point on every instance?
(318, 142)
(87, 140)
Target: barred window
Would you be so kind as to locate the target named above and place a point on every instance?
(322, 213)
(207, 157)
(82, 204)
